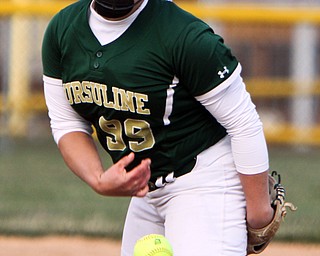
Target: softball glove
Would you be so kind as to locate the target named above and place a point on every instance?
(258, 239)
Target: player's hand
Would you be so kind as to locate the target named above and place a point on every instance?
(116, 181)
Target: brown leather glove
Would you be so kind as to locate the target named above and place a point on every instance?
(258, 239)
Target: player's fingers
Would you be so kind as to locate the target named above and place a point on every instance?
(146, 171)
(141, 172)
(142, 192)
(138, 178)
(125, 161)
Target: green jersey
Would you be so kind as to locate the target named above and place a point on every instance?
(139, 90)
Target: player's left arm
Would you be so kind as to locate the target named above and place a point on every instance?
(232, 106)
(256, 190)
(218, 86)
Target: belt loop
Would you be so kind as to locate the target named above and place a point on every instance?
(159, 182)
(170, 177)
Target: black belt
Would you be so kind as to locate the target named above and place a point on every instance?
(162, 182)
(152, 186)
(186, 169)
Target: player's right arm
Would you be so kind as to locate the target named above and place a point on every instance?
(73, 134)
(80, 154)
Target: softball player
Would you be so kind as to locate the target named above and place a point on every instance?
(167, 101)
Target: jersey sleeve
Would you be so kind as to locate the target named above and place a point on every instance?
(51, 54)
(63, 118)
(233, 108)
(202, 60)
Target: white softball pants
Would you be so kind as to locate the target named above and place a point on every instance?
(202, 213)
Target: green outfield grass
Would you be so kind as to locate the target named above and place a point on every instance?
(40, 196)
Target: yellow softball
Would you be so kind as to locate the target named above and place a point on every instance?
(153, 245)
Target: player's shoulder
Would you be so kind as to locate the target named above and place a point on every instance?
(175, 15)
(66, 15)
(74, 7)
(180, 20)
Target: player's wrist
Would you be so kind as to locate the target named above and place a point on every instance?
(260, 218)
(98, 185)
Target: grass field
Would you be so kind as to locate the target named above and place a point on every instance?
(40, 196)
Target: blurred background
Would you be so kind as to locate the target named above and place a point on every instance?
(278, 45)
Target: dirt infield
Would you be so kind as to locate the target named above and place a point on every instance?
(78, 246)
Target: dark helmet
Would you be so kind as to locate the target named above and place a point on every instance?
(114, 8)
